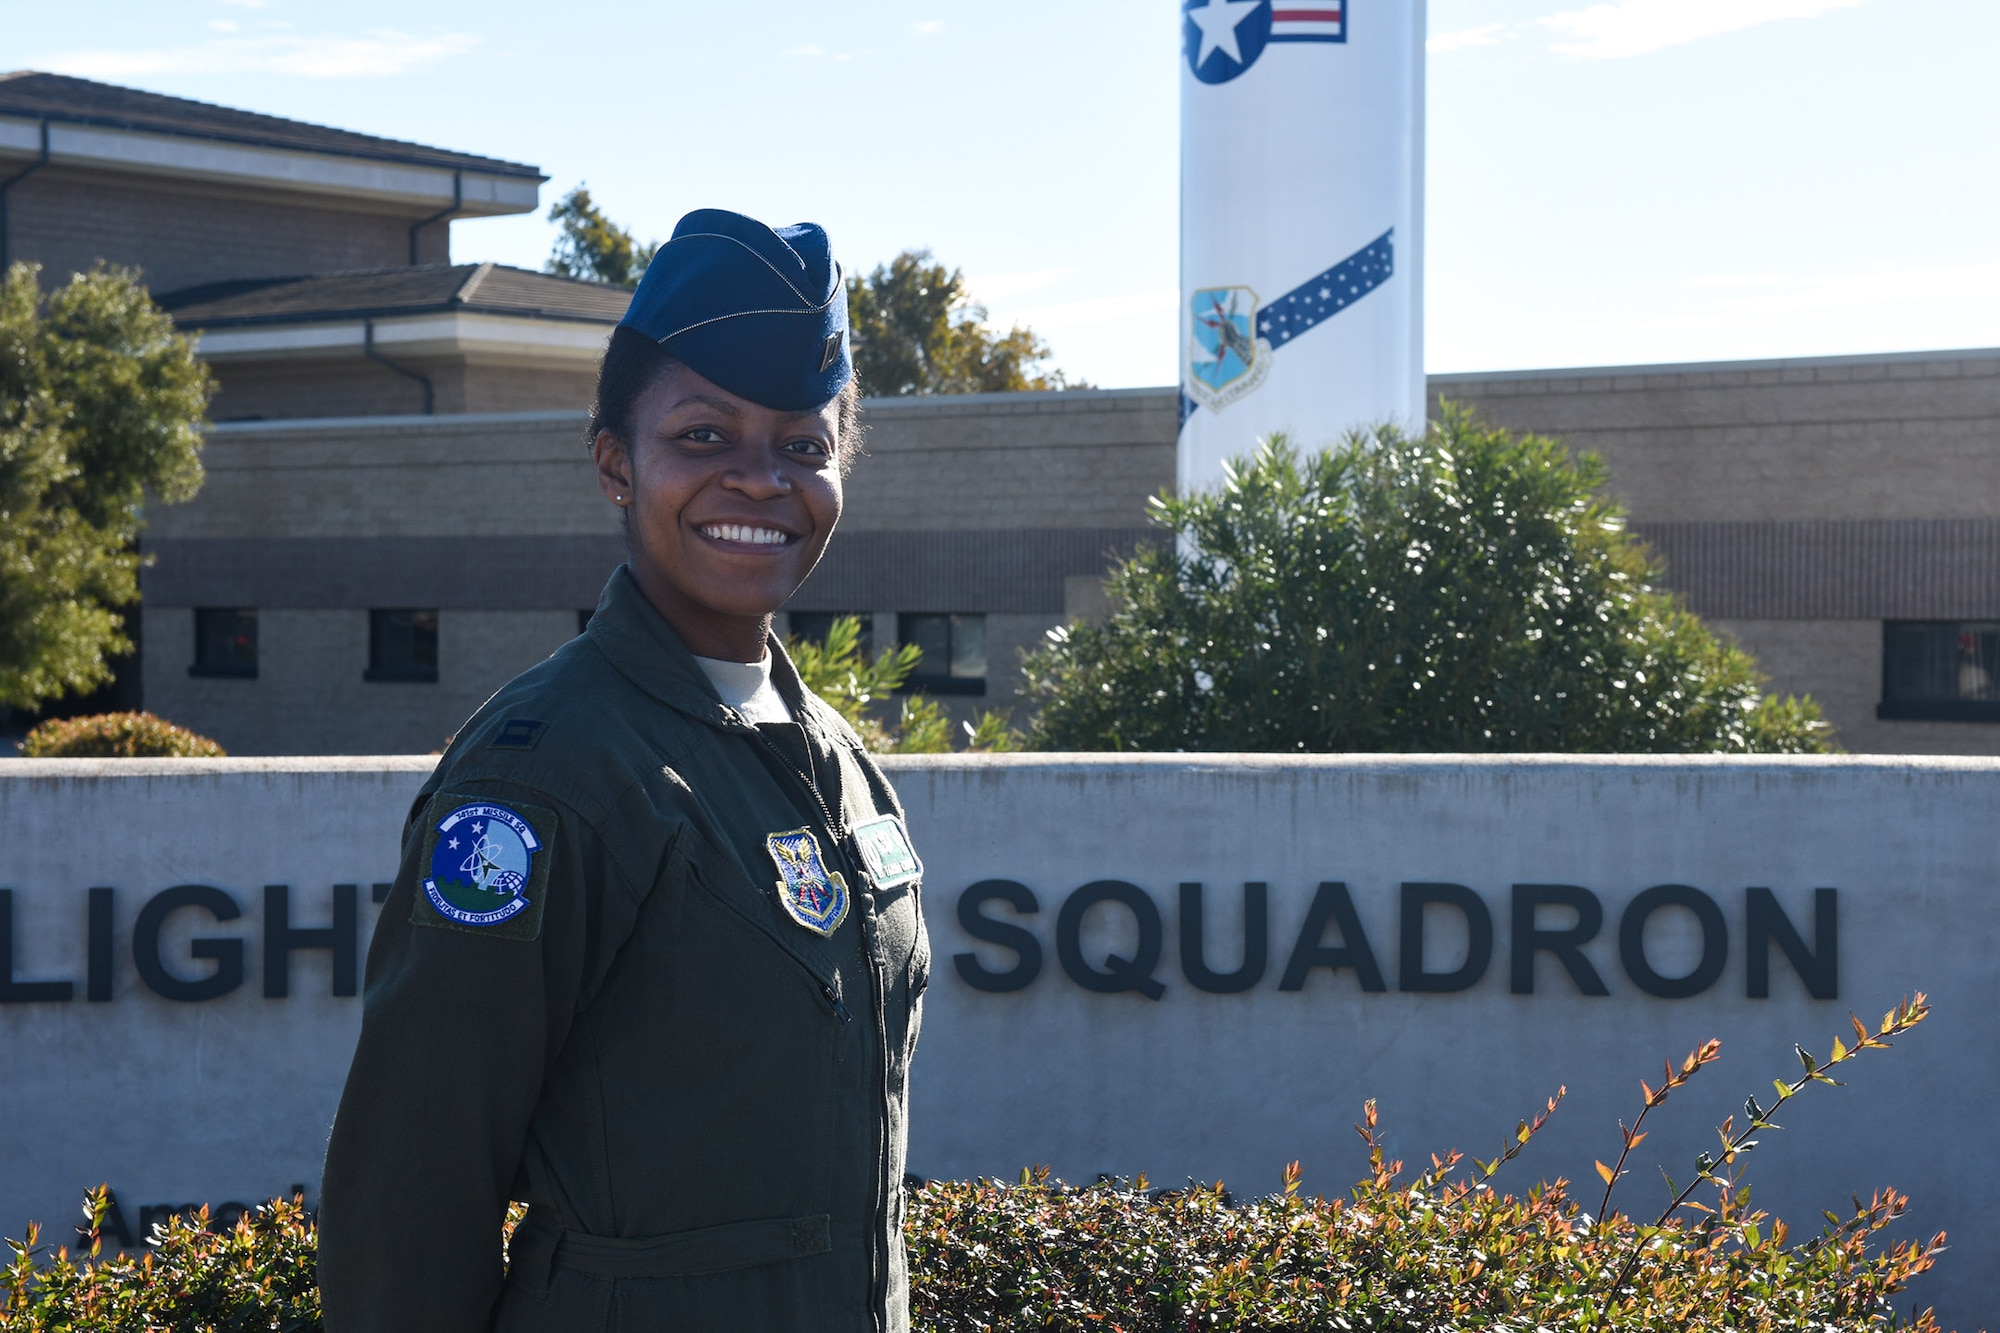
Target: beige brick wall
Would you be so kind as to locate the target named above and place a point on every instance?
(67, 219)
(472, 476)
(278, 390)
(1842, 438)
(309, 696)
(1839, 663)
(1002, 461)
(1891, 438)
(478, 388)
(1901, 437)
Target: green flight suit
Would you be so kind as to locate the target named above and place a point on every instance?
(701, 1098)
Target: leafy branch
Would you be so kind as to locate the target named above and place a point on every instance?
(1735, 1143)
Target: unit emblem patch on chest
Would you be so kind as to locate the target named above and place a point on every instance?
(812, 895)
(481, 862)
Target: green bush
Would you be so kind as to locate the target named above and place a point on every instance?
(1468, 589)
(116, 736)
(1438, 1252)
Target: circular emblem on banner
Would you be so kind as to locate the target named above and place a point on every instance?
(1223, 38)
(480, 865)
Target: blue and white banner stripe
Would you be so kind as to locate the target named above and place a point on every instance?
(1320, 298)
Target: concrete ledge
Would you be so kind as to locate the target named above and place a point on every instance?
(1089, 762)
(1390, 764)
(98, 769)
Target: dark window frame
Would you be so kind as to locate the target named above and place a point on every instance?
(211, 668)
(941, 682)
(410, 672)
(1900, 703)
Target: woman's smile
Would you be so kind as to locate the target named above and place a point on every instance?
(745, 534)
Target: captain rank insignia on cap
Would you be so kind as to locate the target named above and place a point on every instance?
(812, 895)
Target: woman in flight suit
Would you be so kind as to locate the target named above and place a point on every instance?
(654, 959)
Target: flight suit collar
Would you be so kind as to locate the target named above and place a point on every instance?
(644, 648)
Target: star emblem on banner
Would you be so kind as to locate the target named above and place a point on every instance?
(1224, 37)
(1218, 21)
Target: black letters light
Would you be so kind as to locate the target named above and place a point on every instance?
(1119, 974)
(1632, 941)
(1526, 939)
(1332, 904)
(1479, 939)
(23, 992)
(227, 953)
(988, 931)
(1256, 942)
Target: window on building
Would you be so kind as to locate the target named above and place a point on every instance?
(1940, 671)
(814, 626)
(225, 641)
(954, 647)
(402, 645)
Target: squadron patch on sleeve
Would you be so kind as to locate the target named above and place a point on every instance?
(811, 895)
(886, 852)
(488, 869)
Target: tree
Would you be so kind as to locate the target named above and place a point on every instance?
(101, 401)
(1473, 589)
(592, 246)
(916, 329)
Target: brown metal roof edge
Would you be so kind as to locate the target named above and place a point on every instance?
(392, 312)
(444, 159)
(463, 297)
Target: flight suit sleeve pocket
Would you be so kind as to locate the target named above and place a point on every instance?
(483, 866)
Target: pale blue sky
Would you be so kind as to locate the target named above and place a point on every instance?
(1632, 181)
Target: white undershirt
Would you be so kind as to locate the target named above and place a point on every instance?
(747, 687)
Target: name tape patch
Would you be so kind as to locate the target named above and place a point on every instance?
(886, 852)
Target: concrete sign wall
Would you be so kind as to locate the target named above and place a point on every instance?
(1186, 967)
(180, 943)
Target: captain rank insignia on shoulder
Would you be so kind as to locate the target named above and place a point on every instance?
(812, 895)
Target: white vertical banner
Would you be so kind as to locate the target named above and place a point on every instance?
(1302, 208)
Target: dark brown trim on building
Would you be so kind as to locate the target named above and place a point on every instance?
(999, 571)
(497, 573)
(1829, 569)
(1019, 571)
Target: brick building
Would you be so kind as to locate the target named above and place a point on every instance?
(315, 263)
(400, 512)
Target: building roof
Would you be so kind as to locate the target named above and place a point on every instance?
(62, 98)
(374, 293)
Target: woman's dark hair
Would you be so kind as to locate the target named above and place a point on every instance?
(633, 361)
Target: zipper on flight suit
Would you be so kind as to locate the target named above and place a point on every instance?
(878, 1255)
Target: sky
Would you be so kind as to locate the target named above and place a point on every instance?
(1627, 182)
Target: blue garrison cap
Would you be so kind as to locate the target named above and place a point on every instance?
(761, 312)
